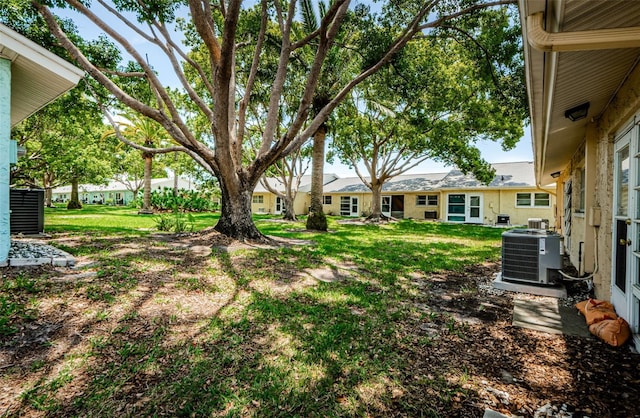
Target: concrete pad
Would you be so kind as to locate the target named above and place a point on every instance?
(488, 413)
(555, 291)
(326, 275)
(548, 316)
(22, 262)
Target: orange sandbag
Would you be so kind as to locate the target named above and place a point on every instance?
(612, 331)
(595, 310)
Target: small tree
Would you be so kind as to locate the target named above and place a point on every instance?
(438, 98)
(145, 135)
(289, 172)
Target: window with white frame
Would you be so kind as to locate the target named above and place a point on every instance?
(326, 200)
(581, 190)
(258, 199)
(427, 200)
(535, 200)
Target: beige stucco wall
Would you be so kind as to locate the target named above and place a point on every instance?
(364, 200)
(268, 205)
(301, 203)
(596, 154)
(503, 202)
(495, 202)
(412, 210)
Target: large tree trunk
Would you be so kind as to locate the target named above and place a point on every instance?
(376, 207)
(74, 202)
(317, 220)
(47, 180)
(235, 215)
(289, 211)
(48, 197)
(146, 194)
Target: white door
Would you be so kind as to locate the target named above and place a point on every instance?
(474, 208)
(625, 277)
(463, 207)
(385, 206)
(355, 206)
(278, 209)
(349, 206)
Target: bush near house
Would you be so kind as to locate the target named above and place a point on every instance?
(185, 200)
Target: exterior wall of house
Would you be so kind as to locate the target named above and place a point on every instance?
(5, 135)
(102, 198)
(364, 202)
(110, 197)
(503, 202)
(417, 211)
(602, 135)
(495, 202)
(263, 203)
(268, 204)
(596, 157)
(301, 203)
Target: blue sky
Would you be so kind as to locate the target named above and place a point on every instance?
(490, 151)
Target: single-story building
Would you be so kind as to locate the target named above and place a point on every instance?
(114, 192)
(30, 78)
(512, 197)
(583, 84)
(264, 201)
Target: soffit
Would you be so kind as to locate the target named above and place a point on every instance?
(584, 76)
(37, 75)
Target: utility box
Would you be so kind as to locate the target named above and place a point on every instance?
(531, 255)
(27, 211)
(430, 214)
(538, 223)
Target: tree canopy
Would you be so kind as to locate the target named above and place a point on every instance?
(212, 128)
(438, 97)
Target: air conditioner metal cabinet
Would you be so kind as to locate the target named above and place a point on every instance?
(530, 255)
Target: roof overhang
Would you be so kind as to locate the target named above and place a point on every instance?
(575, 52)
(37, 75)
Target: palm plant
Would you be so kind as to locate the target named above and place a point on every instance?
(328, 85)
(145, 135)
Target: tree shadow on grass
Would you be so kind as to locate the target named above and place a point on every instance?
(163, 330)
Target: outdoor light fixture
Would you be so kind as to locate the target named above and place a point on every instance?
(578, 112)
(556, 174)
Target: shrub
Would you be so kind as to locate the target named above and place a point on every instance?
(185, 200)
(177, 222)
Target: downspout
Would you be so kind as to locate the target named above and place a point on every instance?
(5, 133)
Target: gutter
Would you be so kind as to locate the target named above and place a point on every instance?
(587, 40)
(554, 42)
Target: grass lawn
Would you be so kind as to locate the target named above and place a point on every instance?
(163, 325)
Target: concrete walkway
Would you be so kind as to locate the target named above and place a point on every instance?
(546, 315)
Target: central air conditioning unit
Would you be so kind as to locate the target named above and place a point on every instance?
(531, 255)
(538, 223)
